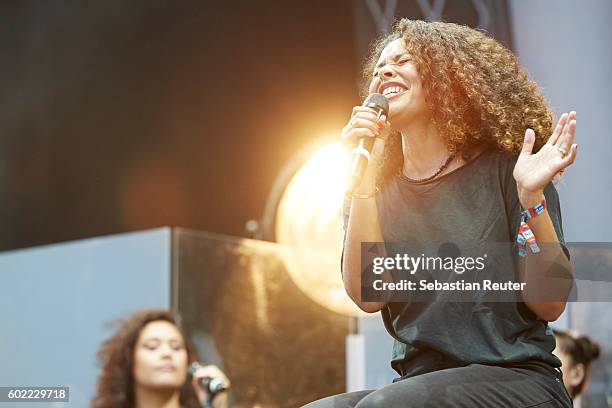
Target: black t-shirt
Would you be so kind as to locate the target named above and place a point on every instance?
(478, 203)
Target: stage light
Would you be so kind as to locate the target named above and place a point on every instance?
(308, 220)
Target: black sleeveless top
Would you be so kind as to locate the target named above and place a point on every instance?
(476, 203)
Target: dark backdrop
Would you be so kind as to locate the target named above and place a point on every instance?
(119, 116)
(124, 115)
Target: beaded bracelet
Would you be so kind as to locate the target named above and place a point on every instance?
(525, 235)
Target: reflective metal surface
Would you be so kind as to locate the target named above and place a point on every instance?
(244, 313)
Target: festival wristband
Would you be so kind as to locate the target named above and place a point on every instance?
(525, 236)
(534, 211)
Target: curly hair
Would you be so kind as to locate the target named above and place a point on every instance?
(115, 387)
(581, 350)
(475, 90)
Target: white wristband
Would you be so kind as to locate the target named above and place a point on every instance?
(363, 152)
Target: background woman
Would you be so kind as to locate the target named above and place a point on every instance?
(145, 365)
(576, 353)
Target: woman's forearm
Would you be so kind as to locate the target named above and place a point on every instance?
(362, 226)
(547, 290)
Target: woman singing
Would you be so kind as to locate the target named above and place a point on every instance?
(467, 154)
(145, 364)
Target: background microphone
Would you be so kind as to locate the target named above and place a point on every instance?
(360, 155)
(213, 385)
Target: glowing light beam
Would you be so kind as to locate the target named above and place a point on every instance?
(309, 219)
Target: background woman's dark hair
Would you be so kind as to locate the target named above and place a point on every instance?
(580, 350)
(475, 90)
(115, 387)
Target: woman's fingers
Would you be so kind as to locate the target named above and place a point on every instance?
(383, 124)
(364, 109)
(571, 156)
(211, 371)
(563, 135)
(364, 122)
(528, 142)
(567, 137)
(558, 129)
(359, 122)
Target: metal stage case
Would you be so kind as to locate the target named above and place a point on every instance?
(244, 313)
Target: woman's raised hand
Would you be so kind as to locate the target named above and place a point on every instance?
(533, 172)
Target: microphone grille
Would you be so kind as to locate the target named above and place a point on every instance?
(217, 385)
(377, 101)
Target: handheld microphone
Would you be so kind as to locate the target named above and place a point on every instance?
(213, 385)
(361, 153)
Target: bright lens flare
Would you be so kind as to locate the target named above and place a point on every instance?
(309, 219)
